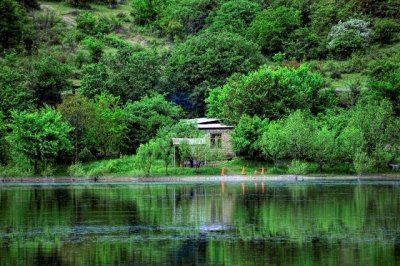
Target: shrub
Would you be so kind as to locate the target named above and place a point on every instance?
(15, 171)
(246, 135)
(95, 47)
(145, 11)
(233, 16)
(76, 170)
(363, 163)
(91, 24)
(270, 28)
(348, 37)
(297, 167)
(385, 30)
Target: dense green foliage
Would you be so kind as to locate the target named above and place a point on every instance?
(271, 27)
(130, 75)
(146, 117)
(205, 61)
(308, 84)
(39, 136)
(13, 25)
(268, 93)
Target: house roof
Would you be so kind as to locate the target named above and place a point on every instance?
(203, 120)
(214, 126)
(209, 123)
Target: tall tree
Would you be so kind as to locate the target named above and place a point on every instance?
(13, 24)
(106, 129)
(48, 79)
(147, 116)
(268, 93)
(39, 136)
(78, 112)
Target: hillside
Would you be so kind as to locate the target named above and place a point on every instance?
(87, 80)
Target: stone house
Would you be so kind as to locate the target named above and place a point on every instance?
(217, 133)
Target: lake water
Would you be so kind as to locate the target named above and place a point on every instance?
(299, 223)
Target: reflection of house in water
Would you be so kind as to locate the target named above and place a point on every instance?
(209, 210)
(218, 134)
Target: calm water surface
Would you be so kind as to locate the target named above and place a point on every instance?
(303, 223)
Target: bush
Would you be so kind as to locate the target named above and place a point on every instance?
(184, 17)
(95, 47)
(385, 30)
(297, 167)
(348, 37)
(104, 168)
(76, 170)
(145, 11)
(48, 171)
(363, 163)
(275, 171)
(270, 28)
(15, 171)
(246, 135)
(92, 25)
(233, 16)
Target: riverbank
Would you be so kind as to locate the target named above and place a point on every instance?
(188, 179)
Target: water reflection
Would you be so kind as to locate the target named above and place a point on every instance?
(216, 223)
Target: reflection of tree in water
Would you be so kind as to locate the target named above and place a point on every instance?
(191, 252)
(46, 258)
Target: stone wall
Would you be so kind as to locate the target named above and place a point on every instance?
(226, 145)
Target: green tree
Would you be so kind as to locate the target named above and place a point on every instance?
(49, 77)
(273, 142)
(129, 75)
(3, 143)
(13, 25)
(298, 128)
(78, 112)
(380, 8)
(385, 79)
(184, 17)
(14, 93)
(165, 151)
(233, 16)
(323, 147)
(39, 136)
(348, 37)
(107, 128)
(95, 48)
(146, 155)
(268, 93)
(204, 62)
(92, 25)
(379, 130)
(270, 28)
(246, 136)
(385, 30)
(145, 11)
(305, 43)
(146, 117)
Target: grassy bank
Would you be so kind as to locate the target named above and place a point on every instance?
(125, 166)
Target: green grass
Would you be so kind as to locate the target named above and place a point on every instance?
(125, 167)
(347, 80)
